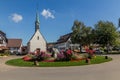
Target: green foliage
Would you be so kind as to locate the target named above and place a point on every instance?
(81, 34)
(117, 42)
(77, 30)
(114, 52)
(106, 33)
(6, 53)
(22, 63)
(1, 54)
(74, 57)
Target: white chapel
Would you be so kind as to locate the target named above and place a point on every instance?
(37, 40)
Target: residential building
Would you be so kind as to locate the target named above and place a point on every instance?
(64, 42)
(15, 45)
(3, 41)
(51, 45)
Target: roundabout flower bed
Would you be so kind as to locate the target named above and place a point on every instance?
(21, 63)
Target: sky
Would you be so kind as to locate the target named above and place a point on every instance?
(17, 17)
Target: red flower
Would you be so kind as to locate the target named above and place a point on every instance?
(26, 58)
(69, 51)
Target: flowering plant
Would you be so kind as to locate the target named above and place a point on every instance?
(28, 57)
(45, 56)
(60, 57)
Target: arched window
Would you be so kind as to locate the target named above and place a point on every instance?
(38, 38)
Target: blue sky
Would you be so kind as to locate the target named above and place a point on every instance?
(17, 17)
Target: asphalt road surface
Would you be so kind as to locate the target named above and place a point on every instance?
(105, 71)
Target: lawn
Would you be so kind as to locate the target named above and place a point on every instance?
(21, 63)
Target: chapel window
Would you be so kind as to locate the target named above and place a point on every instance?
(38, 38)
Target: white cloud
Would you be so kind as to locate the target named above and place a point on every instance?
(47, 14)
(16, 17)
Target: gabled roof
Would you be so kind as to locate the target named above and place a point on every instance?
(64, 38)
(2, 33)
(34, 35)
(3, 36)
(14, 43)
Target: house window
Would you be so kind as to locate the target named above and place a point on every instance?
(38, 38)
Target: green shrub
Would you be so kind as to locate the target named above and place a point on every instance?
(7, 52)
(1, 54)
(73, 57)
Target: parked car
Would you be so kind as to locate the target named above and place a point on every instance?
(116, 49)
(99, 51)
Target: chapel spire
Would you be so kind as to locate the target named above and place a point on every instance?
(37, 22)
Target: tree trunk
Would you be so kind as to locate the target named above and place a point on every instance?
(108, 48)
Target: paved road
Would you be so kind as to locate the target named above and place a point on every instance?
(105, 71)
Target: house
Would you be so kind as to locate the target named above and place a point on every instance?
(64, 42)
(15, 45)
(3, 41)
(37, 40)
(51, 45)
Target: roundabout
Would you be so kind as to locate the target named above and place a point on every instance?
(21, 63)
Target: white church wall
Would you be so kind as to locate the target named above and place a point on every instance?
(37, 42)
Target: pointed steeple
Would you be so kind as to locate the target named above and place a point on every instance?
(37, 22)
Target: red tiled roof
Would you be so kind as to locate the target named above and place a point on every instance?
(14, 43)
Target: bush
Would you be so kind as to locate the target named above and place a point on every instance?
(60, 57)
(7, 52)
(45, 56)
(114, 52)
(74, 57)
(77, 56)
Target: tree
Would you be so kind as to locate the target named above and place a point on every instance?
(87, 36)
(117, 42)
(81, 34)
(106, 33)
